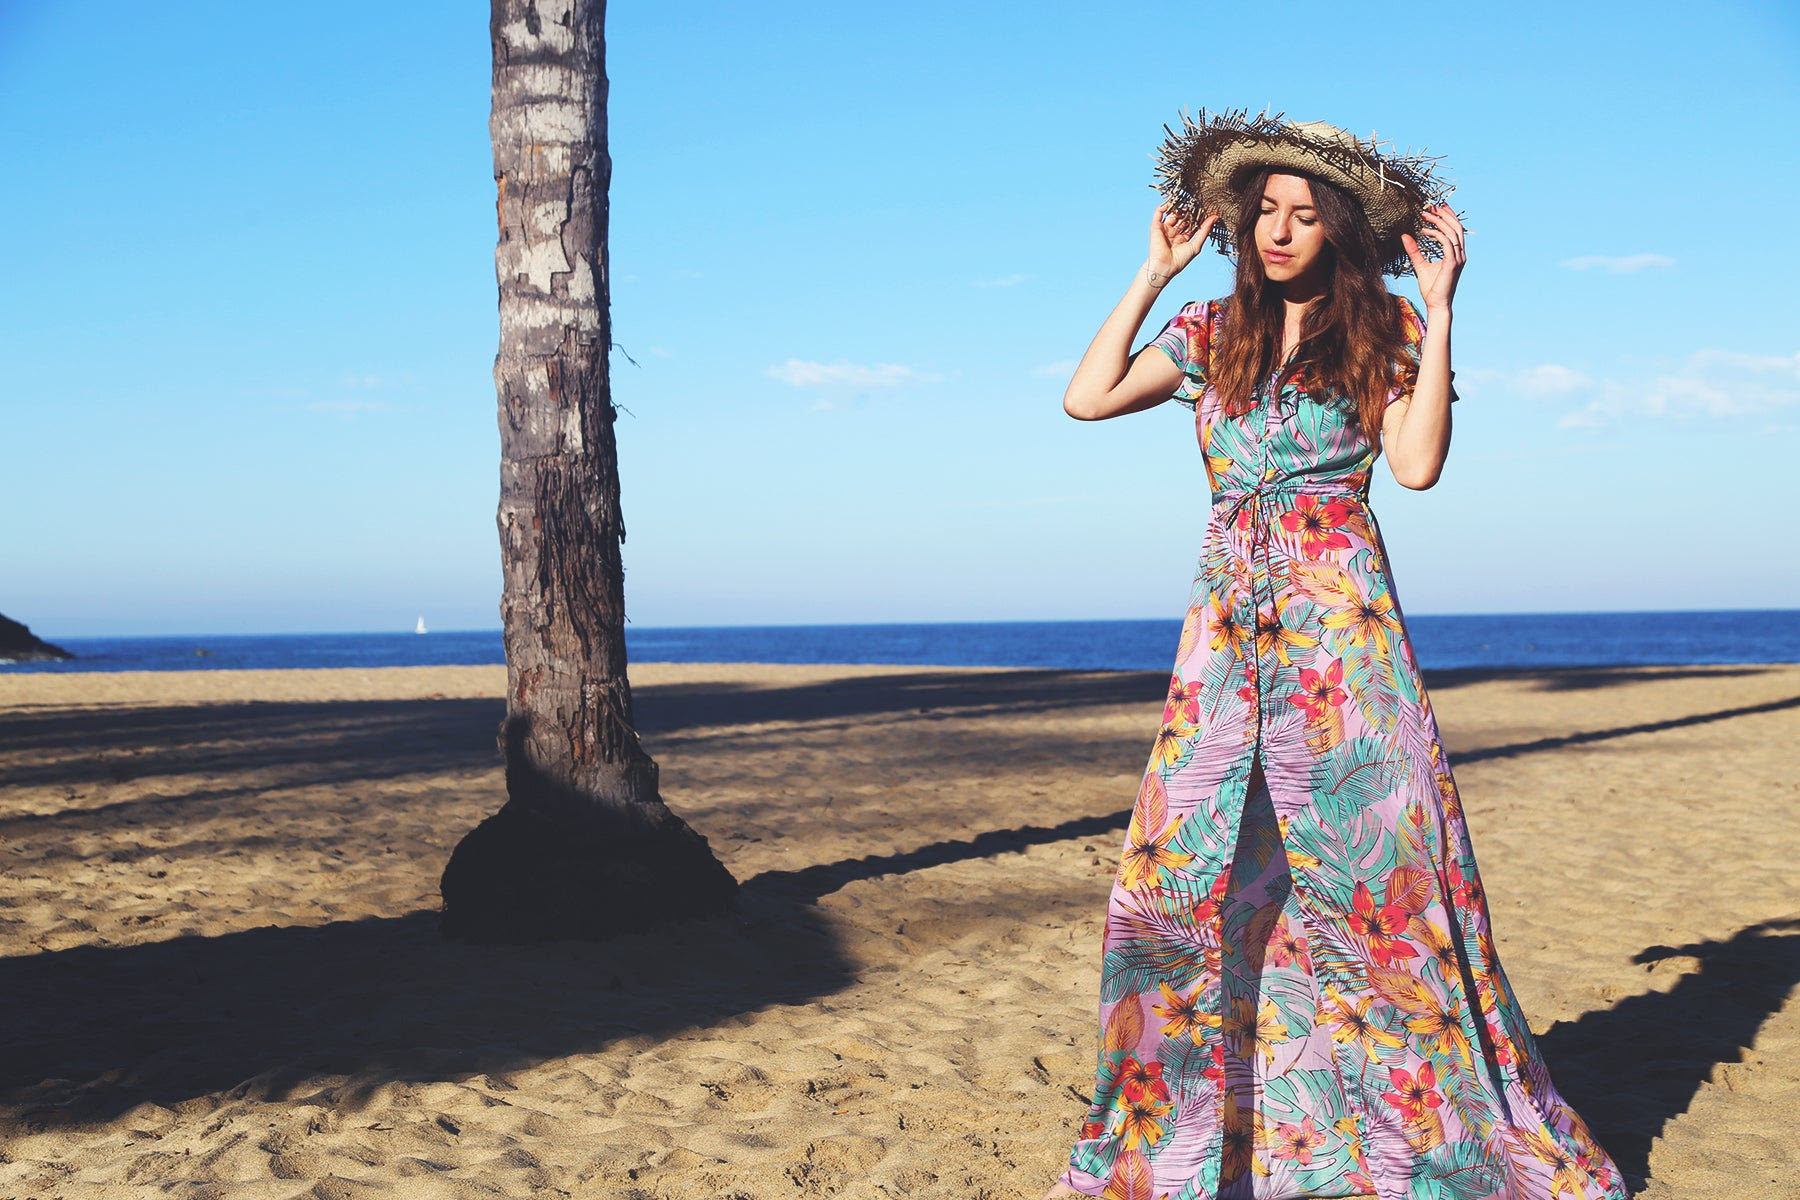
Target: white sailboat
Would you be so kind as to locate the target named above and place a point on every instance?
(420, 627)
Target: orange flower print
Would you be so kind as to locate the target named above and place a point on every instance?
(1566, 1175)
(1139, 1122)
(1182, 1015)
(1296, 1143)
(1317, 524)
(1382, 925)
(1439, 1030)
(1225, 632)
(1320, 693)
(1413, 1094)
(1366, 621)
(1170, 744)
(1147, 854)
(1350, 1129)
(1349, 1021)
(1244, 1135)
(1253, 1029)
(1274, 637)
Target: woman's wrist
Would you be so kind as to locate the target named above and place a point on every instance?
(1158, 276)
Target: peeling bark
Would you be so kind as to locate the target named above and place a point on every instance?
(584, 846)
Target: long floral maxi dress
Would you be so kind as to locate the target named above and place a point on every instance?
(1299, 991)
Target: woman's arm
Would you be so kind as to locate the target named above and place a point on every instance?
(1111, 381)
(1415, 432)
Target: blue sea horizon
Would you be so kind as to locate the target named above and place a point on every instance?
(1502, 641)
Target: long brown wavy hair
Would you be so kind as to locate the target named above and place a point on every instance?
(1352, 340)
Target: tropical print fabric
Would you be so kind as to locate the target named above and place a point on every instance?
(1299, 991)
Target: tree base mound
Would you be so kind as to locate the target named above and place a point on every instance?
(519, 877)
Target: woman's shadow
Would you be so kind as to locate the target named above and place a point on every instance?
(1631, 1069)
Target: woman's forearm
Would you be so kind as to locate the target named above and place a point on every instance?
(1419, 441)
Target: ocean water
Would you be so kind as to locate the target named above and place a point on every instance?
(1505, 641)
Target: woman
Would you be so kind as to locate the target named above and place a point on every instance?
(1299, 993)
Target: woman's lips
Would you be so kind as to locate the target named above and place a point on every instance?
(1275, 256)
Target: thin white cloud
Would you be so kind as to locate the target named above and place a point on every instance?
(803, 373)
(348, 406)
(1708, 383)
(1626, 264)
(1550, 379)
(1004, 281)
(1059, 369)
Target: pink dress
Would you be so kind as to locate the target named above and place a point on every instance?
(1299, 993)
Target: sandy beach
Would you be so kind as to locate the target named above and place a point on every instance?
(223, 978)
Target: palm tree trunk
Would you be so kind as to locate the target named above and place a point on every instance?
(584, 846)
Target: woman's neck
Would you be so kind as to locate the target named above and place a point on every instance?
(1295, 305)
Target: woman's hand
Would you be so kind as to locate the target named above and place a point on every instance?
(1437, 280)
(1174, 241)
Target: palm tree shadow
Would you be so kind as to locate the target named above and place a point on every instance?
(93, 1031)
(1631, 1069)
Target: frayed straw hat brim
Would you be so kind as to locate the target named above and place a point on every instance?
(1202, 167)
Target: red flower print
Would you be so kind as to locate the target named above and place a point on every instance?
(1319, 693)
(1216, 1070)
(1287, 947)
(1501, 1043)
(1317, 524)
(1184, 703)
(1296, 1142)
(1208, 909)
(1382, 925)
(1142, 1079)
(1413, 1094)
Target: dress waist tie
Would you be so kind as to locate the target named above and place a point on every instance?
(1227, 507)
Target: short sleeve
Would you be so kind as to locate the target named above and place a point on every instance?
(1187, 340)
(1412, 330)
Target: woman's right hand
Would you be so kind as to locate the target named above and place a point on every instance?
(1174, 241)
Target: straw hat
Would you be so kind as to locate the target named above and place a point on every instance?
(1200, 169)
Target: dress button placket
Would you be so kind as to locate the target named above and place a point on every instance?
(1263, 582)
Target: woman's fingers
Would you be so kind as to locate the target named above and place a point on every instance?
(1450, 230)
(1415, 252)
(1449, 238)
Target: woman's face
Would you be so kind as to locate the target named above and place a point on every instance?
(1289, 235)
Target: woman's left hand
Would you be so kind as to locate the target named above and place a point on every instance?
(1437, 280)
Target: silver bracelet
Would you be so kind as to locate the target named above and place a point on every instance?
(1150, 277)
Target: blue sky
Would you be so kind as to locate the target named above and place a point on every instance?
(246, 342)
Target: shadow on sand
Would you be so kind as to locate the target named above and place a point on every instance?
(258, 1011)
(1632, 1068)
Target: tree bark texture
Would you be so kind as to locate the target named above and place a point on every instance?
(585, 846)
